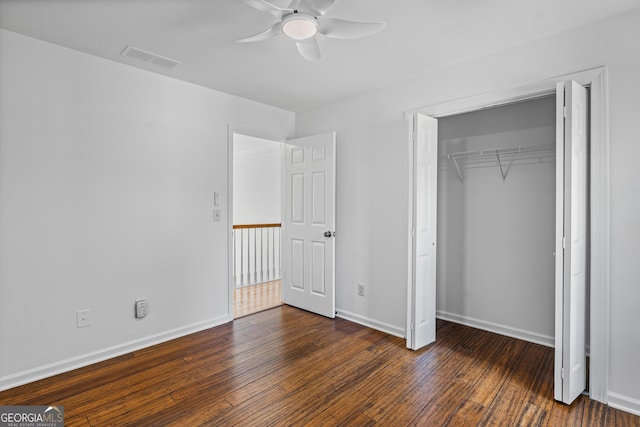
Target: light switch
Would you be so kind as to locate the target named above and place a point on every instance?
(216, 198)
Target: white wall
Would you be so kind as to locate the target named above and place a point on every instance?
(257, 180)
(372, 162)
(496, 237)
(107, 174)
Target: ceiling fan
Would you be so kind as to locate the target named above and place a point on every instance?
(303, 20)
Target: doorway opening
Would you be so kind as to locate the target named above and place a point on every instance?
(300, 230)
(257, 218)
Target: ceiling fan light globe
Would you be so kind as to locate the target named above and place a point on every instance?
(299, 26)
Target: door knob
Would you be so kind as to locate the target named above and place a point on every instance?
(328, 234)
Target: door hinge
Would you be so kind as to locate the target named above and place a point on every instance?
(564, 242)
(562, 373)
(564, 111)
(411, 327)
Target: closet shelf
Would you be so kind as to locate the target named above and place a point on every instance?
(496, 152)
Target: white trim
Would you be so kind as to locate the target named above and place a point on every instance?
(521, 334)
(409, 123)
(596, 78)
(600, 260)
(66, 365)
(259, 151)
(506, 96)
(370, 323)
(624, 403)
(231, 285)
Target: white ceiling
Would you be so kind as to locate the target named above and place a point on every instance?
(421, 35)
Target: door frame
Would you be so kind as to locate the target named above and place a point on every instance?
(599, 210)
(231, 130)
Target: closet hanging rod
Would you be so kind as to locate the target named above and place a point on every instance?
(500, 151)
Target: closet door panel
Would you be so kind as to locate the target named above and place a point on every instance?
(425, 149)
(571, 252)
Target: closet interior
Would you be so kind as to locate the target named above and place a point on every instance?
(496, 219)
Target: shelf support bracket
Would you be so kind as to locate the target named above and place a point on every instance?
(455, 162)
(504, 175)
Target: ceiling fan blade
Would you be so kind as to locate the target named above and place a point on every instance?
(309, 49)
(320, 7)
(343, 29)
(295, 4)
(285, 4)
(270, 32)
(270, 8)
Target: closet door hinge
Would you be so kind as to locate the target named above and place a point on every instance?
(564, 111)
(564, 243)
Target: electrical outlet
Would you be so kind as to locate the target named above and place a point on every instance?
(141, 308)
(216, 214)
(360, 290)
(83, 318)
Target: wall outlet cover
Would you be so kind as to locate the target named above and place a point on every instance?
(141, 308)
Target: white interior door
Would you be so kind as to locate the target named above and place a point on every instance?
(571, 237)
(422, 309)
(309, 224)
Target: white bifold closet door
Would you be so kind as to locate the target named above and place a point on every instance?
(422, 306)
(308, 230)
(571, 240)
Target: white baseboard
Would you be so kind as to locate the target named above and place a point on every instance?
(624, 403)
(55, 368)
(370, 323)
(497, 328)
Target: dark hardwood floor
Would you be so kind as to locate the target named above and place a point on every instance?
(288, 367)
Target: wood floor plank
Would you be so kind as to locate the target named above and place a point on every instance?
(316, 393)
(291, 378)
(421, 365)
(260, 402)
(509, 403)
(497, 372)
(286, 366)
(430, 401)
(565, 415)
(468, 413)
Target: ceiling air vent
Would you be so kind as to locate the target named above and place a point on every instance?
(151, 58)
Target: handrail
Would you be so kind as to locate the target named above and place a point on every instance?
(236, 227)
